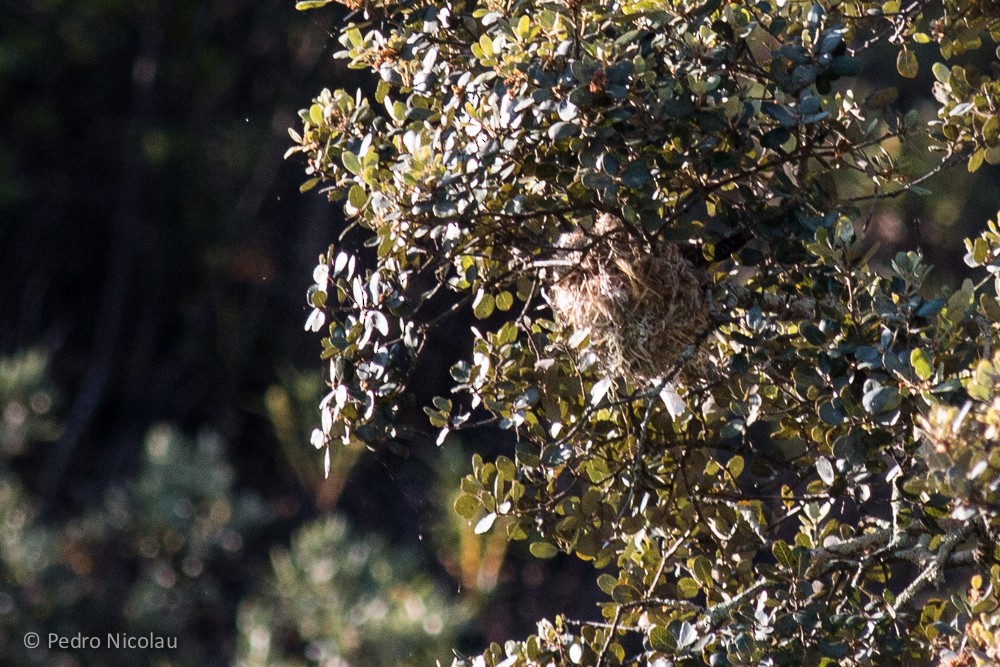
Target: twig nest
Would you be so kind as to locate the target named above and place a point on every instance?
(643, 304)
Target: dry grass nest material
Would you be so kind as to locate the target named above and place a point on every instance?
(644, 305)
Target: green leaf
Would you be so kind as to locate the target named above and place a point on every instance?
(303, 5)
(688, 587)
(686, 634)
(483, 305)
(960, 303)
(523, 27)
(825, 470)
(991, 130)
(976, 160)
(832, 414)
(515, 531)
(636, 177)
(735, 466)
(467, 506)
(316, 114)
(354, 36)
(784, 117)
(930, 308)
(660, 639)
(990, 307)
(351, 162)
(813, 334)
(607, 583)
(398, 111)
(907, 64)
(921, 363)
(543, 550)
(562, 130)
(701, 568)
(783, 553)
(880, 399)
(486, 44)
(556, 454)
(776, 138)
(357, 196)
(506, 468)
(941, 73)
(504, 301)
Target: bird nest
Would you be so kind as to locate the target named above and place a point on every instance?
(643, 304)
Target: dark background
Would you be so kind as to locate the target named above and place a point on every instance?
(155, 252)
(153, 240)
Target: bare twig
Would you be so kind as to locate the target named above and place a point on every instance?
(612, 629)
(933, 570)
(713, 615)
(947, 161)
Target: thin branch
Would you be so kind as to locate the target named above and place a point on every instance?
(823, 558)
(666, 556)
(933, 570)
(951, 158)
(687, 605)
(612, 629)
(713, 615)
(598, 624)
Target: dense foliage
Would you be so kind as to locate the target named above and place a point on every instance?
(773, 451)
(346, 599)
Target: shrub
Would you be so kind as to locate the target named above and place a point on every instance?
(798, 500)
(336, 598)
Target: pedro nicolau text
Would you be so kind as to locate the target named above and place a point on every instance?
(115, 640)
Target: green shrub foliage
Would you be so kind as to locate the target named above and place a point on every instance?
(156, 556)
(774, 451)
(28, 402)
(340, 598)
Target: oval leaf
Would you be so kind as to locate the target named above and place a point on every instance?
(921, 363)
(485, 523)
(542, 550)
(907, 64)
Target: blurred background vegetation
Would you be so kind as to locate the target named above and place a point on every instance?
(157, 389)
